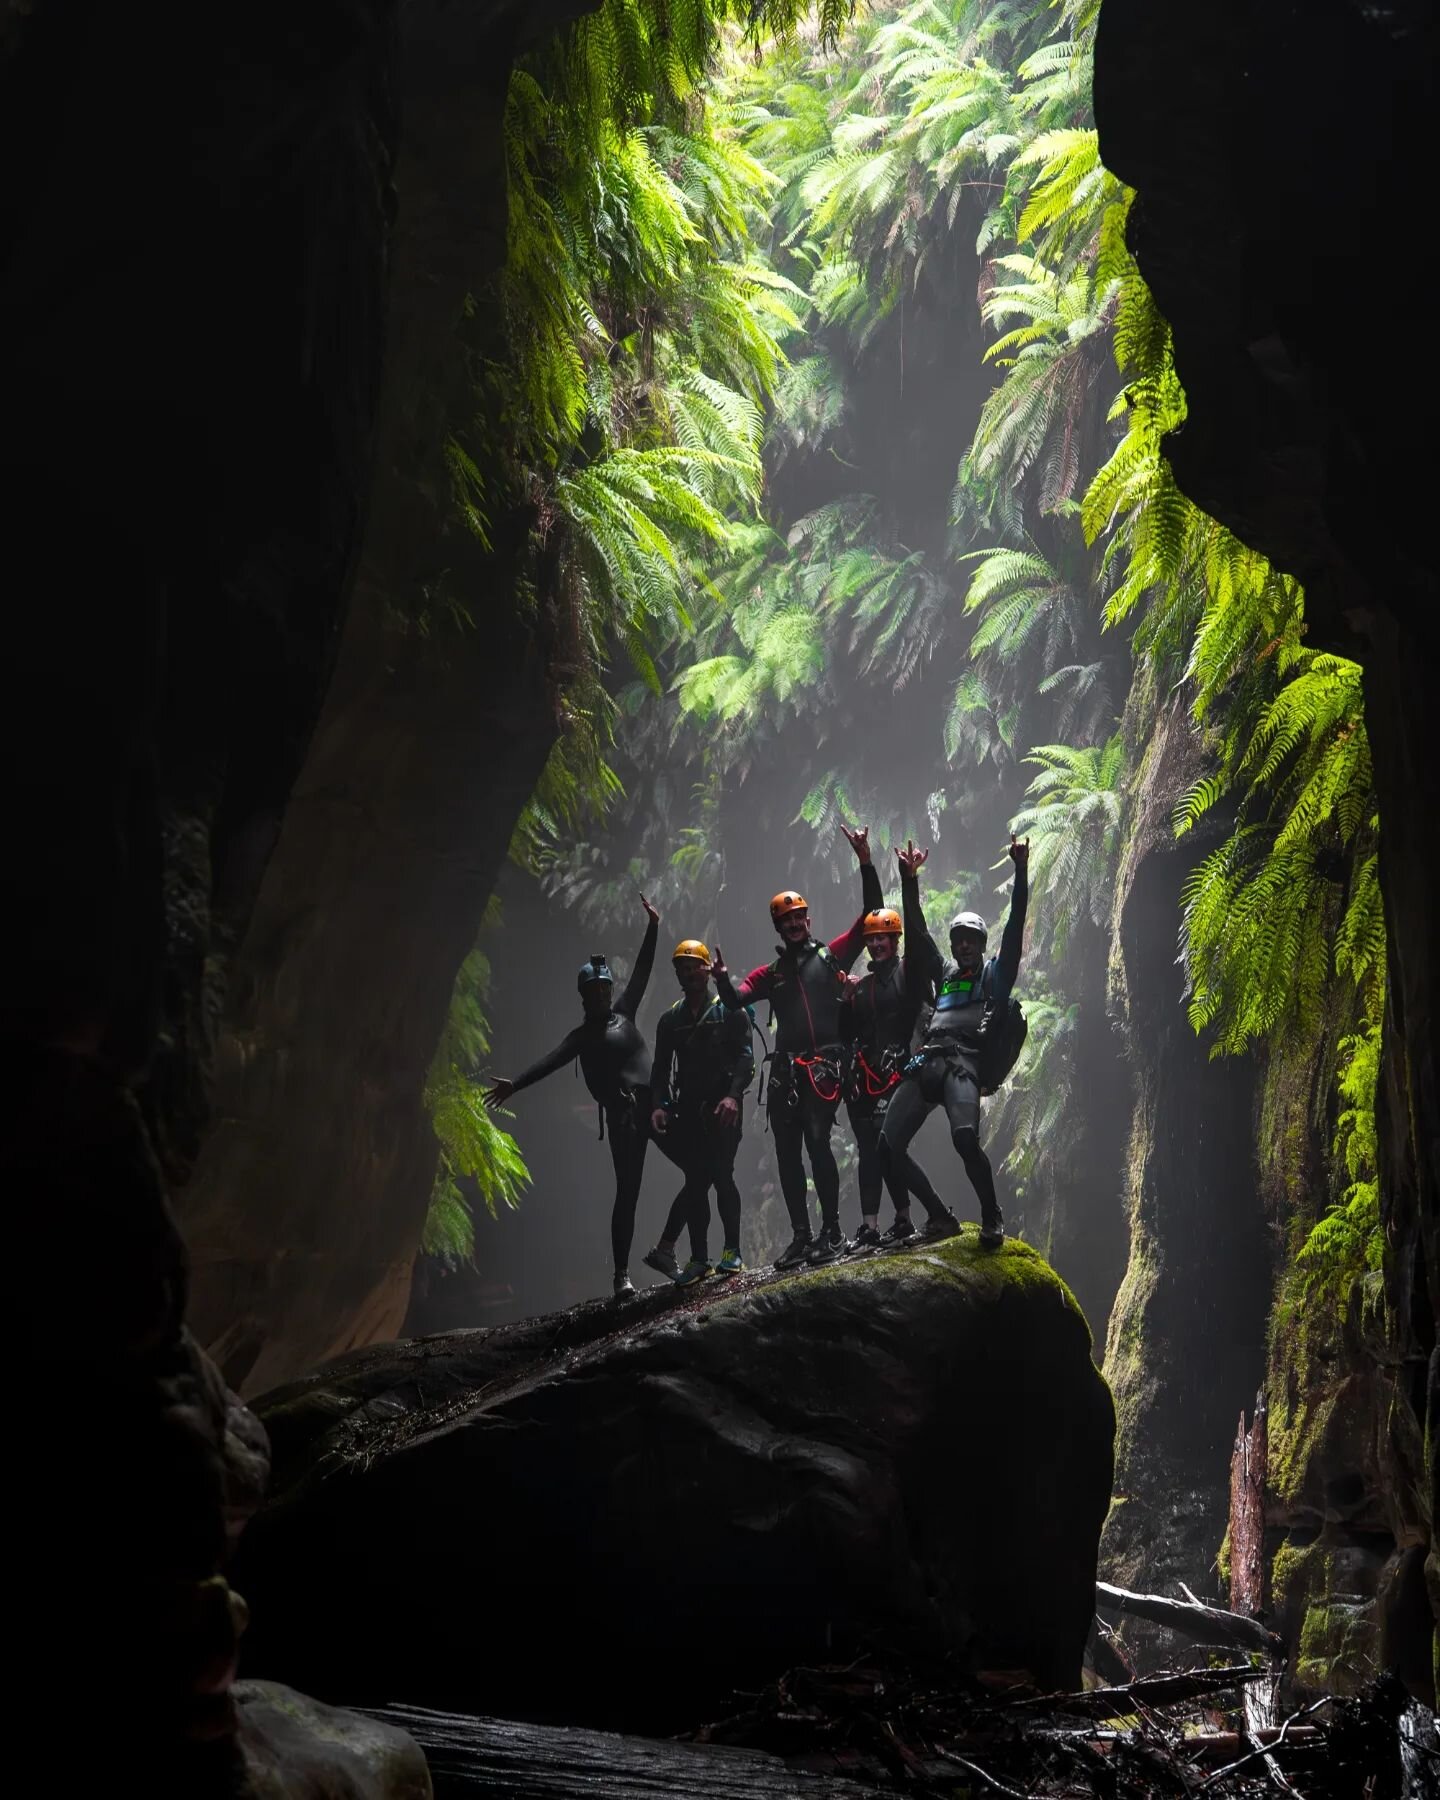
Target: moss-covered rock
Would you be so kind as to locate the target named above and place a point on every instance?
(621, 1515)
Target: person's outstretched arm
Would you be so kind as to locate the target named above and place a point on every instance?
(565, 1051)
(847, 947)
(755, 986)
(629, 1002)
(921, 951)
(1007, 963)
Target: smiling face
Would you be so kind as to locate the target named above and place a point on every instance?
(693, 976)
(967, 947)
(883, 946)
(795, 927)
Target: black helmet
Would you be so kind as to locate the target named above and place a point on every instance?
(597, 969)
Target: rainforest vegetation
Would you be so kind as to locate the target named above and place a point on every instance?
(836, 404)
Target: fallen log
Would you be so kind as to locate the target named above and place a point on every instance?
(1147, 1690)
(1195, 1620)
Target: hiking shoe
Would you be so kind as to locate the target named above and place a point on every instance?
(695, 1270)
(731, 1263)
(799, 1248)
(943, 1225)
(897, 1234)
(829, 1247)
(866, 1238)
(662, 1261)
(992, 1230)
(624, 1286)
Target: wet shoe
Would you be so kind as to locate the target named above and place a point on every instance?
(866, 1238)
(731, 1263)
(799, 1249)
(662, 1261)
(624, 1286)
(829, 1247)
(992, 1230)
(899, 1234)
(695, 1270)
(943, 1225)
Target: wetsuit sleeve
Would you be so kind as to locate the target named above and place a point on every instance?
(1007, 963)
(921, 951)
(629, 1002)
(565, 1051)
(872, 896)
(755, 986)
(660, 1068)
(741, 1051)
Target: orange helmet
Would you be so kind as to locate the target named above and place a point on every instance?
(691, 950)
(788, 902)
(884, 923)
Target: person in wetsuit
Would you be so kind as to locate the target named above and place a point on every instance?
(948, 1059)
(615, 1061)
(879, 1016)
(805, 986)
(703, 1065)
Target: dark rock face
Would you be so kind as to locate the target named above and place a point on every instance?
(913, 1451)
(1223, 123)
(306, 1210)
(1186, 1345)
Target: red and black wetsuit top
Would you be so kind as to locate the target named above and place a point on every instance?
(805, 984)
(883, 1005)
(614, 1057)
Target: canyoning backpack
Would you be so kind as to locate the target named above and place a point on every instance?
(1002, 1033)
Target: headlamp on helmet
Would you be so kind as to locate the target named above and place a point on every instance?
(597, 969)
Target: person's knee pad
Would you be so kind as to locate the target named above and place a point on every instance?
(967, 1141)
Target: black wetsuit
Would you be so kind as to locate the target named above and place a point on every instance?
(615, 1061)
(948, 1076)
(880, 1012)
(712, 1058)
(805, 986)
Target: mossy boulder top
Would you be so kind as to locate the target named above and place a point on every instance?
(622, 1514)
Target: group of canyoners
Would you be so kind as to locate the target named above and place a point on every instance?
(917, 1030)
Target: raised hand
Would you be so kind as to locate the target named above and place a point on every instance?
(1019, 853)
(500, 1093)
(910, 859)
(858, 840)
(649, 910)
(717, 965)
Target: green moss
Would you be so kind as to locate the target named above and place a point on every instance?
(1335, 1637)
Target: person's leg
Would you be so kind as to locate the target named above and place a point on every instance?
(962, 1111)
(789, 1136)
(723, 1145)
(817, 1120)
(865, 1128)
(918, 1183)
(628, 1138)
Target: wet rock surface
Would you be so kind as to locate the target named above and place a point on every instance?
(622, 1514)
(293, 1747)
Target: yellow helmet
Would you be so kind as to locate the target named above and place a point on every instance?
(788, 902)
(691, 950)
(885, 922)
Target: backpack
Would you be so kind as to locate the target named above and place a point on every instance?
(1003, 1030)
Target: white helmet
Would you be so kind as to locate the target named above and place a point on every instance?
(969, 921)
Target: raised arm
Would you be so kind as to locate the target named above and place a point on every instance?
(1007, 963)
(755, 986)
(846, 948)
(629, 1002)
(921, 951)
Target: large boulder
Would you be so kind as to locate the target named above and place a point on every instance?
(621, 1515)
